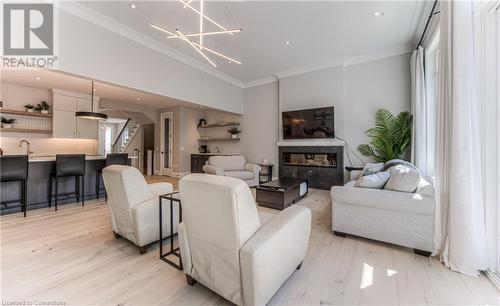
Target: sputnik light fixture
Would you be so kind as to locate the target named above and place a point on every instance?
(199, 47)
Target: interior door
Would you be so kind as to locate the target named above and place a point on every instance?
(166, 143)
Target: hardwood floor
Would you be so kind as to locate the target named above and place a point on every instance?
(71, 256)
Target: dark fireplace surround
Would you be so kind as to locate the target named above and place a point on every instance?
(321, 166)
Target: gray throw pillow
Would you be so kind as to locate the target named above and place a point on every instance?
(395, 162)
(403, 178)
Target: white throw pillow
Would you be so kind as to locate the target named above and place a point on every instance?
(376, 180)
(403, 178)
(371, 168)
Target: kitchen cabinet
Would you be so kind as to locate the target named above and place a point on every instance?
(65, 124)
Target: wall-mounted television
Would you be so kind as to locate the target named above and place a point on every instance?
(309, 123)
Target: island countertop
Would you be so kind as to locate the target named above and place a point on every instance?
(47, 158)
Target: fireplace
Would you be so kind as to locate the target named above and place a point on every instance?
(321, 166)
(328, 160)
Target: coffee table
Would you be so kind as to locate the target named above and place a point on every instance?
(280, 194)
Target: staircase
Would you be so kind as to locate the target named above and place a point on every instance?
(127, 133)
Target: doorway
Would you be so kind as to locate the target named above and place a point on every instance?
(166, 137)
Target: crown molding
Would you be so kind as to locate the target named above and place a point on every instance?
(114, 26)
(348, 61)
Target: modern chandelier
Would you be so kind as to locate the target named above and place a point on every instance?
(197, 43)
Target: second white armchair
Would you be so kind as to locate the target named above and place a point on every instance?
(233, 166)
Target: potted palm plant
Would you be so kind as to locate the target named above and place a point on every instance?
(7, 122)
(29, 108)
(390, 138)
(234, 132)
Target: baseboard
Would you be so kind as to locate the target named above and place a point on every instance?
(157, 172)
(179, 174)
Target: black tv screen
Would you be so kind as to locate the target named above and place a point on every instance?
(309, 123)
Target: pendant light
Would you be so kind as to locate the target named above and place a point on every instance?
(91, 115)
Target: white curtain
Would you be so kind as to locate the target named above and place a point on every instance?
(419, 150)
(460, 230)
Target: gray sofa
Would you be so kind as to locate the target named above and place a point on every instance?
(233, 166)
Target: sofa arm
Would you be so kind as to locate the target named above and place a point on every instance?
(145, 217)
(255, 169)
(355, 174)
(273, 253)
(158, 189)
(209, 169)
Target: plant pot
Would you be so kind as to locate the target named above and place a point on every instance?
(234, 136)
(45, 112)
(29, 110)
(7, 126)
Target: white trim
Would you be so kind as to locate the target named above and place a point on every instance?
(114, 26)
(311, 143)
(73, 94)
(348, 61)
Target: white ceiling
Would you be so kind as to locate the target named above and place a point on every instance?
(51, 79)
(318, 31)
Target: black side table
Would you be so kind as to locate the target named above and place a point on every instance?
(171, 197)
(267, 174)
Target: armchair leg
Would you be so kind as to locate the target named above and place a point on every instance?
(340, 234)
(116, 235)
(143, 249)
(300, 265)
(191, 281)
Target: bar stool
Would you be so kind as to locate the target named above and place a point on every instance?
(15, 168)
(68, 165)
(111, 159)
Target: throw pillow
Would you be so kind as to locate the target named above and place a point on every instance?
(395, 162)
(403, 178)
(372, 168)
(376, 180)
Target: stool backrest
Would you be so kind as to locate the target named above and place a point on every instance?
(13, 168)
(116, 159)
(70, 164)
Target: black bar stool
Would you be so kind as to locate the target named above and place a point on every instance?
(15, 168)
(111, 159)
(68, 165)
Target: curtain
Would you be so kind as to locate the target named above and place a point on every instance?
(418, 109)
(460, 228)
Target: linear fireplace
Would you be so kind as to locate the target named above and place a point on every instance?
(321, 166)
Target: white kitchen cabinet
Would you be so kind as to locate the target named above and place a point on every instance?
(65, 123)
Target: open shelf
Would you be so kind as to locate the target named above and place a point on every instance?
(220, 124)
(219, 139)
(24, 113)
(16, 130)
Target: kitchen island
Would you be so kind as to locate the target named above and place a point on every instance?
(40, 169)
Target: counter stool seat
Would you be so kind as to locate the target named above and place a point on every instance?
(14, 168)
(69, 165)
(111, 159)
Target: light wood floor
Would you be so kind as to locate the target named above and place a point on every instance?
(71, 256)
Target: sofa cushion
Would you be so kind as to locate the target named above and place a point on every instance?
(403, 178)
(228, 163)
(244, 175)
(376, 180)
(383, 199)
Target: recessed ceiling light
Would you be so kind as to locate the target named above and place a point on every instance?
(378, 14)
(132, 6)
(287, 43)
(95, 89)
(138, 99)
(37, 78)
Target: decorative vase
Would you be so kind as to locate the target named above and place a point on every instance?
(45, 112)
(7, 126)
(29, 110)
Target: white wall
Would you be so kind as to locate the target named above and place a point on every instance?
(89, 50)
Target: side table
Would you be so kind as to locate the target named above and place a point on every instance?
(171, 198)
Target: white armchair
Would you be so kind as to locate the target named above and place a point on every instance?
(133, 206)
(233, 166)
(224, 246)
